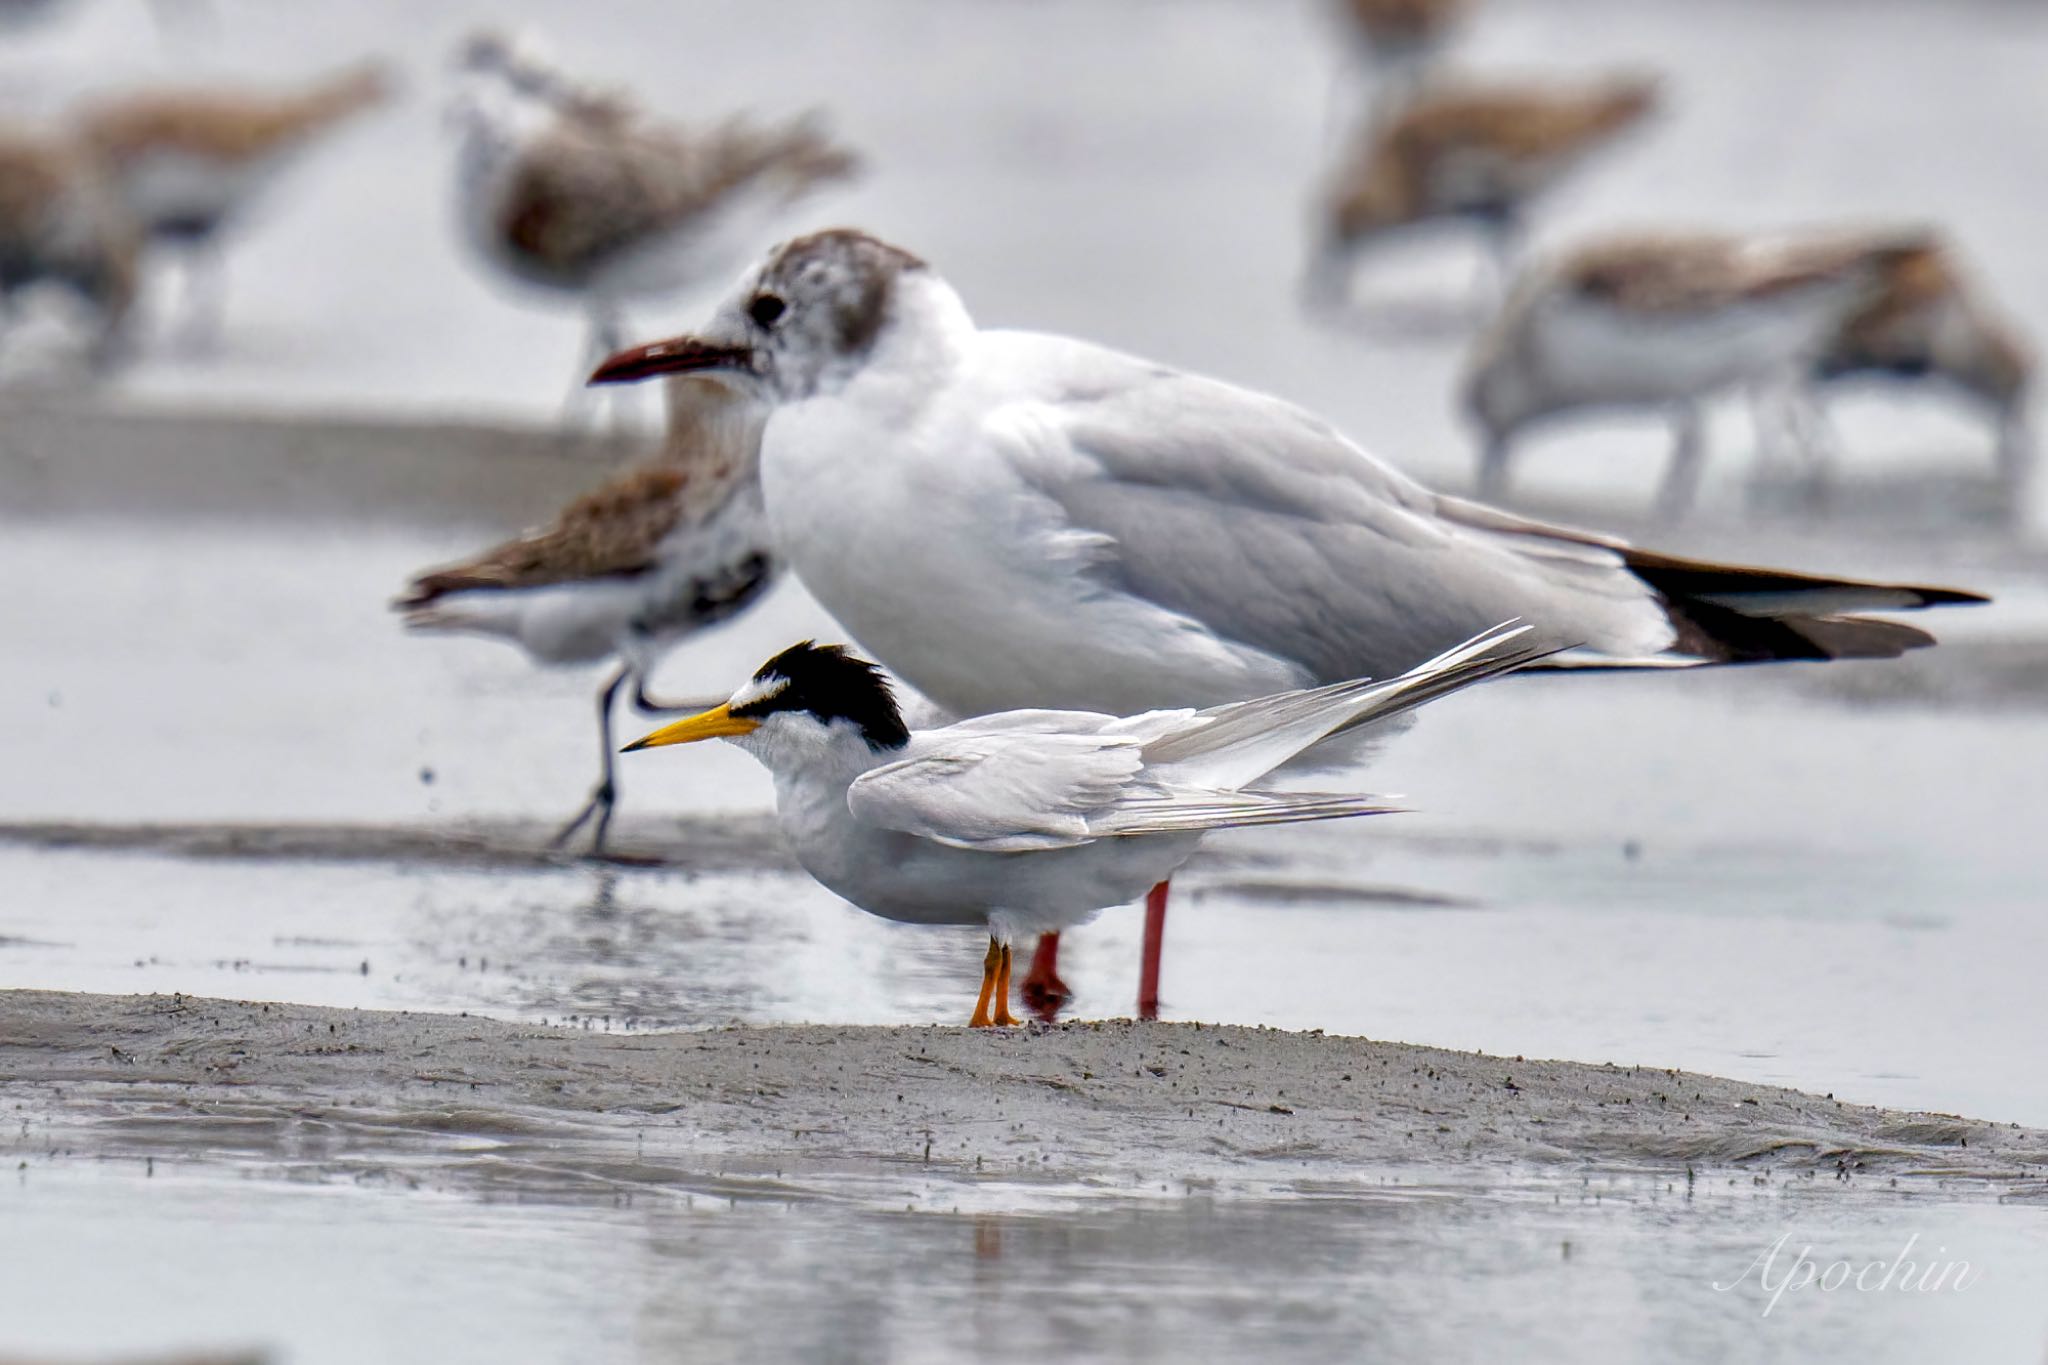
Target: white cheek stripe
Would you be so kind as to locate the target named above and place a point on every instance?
(756, 689)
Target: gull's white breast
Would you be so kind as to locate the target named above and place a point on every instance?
(902, 507)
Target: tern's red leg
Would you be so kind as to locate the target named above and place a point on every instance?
(989, 964)
(1002, 1018)
(1148, 959)
(1042, 991)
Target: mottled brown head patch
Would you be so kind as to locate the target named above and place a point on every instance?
(852, 273)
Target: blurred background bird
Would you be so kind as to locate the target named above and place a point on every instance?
(583, 192)
(192, 162)
(658, 552)
(1473, 153)
(1010, 519)
(1665, 323)
(1928, 328)
(1399, 39)
(15, 14)
(61, 225)
(172, 17)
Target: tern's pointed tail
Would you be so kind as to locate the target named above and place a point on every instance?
(1229, 747)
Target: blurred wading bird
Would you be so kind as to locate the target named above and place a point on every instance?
(1402, 37)
(190, 163)
(651, 556)
(1009, 519)
(1030, 821)
(61, 224)
(21, 14)
(584, 193)
(1390, 47)
(1466, 153)
(1666, 322)
(1929, 327)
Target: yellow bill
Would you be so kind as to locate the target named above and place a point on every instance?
(716, 723)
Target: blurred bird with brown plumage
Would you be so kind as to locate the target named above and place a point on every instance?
(1474, 153)
(62, 226)
(658, 552)
(1665, 322)
(1929, 328)
(191, 162)
(1400, 38)
(582, 192)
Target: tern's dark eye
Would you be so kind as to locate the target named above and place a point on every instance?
(765, 309)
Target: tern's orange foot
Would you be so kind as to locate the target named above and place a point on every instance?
(1002, 1017)
(989, 967)
(1042, 991)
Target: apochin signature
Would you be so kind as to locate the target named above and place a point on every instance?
(1897, 1275)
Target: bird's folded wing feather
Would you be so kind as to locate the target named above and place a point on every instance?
(592, 187)
(1189, 811)
(1265, 525)
(613, 530)
(999, 789)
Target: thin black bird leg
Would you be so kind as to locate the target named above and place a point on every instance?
(648, 706)
(606, 794)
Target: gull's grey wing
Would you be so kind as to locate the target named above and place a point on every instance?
(1001, 788)
(1265, 525)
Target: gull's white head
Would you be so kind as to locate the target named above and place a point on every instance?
(809, 708)
(804, 321)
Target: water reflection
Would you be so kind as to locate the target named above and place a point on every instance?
(1606, 1268)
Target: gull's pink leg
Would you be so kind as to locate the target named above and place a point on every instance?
(1042, 991)
(1148, 959)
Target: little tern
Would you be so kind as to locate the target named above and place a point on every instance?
(1008, 519)
(1031, 821)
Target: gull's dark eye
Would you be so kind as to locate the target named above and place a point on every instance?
(765, 309)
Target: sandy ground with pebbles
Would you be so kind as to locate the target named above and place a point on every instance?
(470, 1101)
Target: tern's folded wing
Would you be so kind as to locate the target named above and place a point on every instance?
(1000, 790)
(1193, 811)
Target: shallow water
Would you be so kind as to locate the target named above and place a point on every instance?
(1605, 1269)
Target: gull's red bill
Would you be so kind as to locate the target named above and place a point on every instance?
(677, 355)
